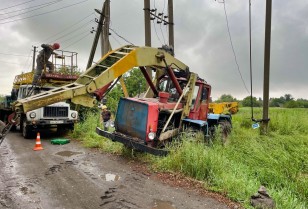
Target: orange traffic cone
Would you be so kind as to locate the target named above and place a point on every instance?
(38, 145)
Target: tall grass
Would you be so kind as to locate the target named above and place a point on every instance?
(85, 132)
(279, 160)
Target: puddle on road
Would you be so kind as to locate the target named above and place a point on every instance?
(67, 153)
(111, 177)
(160, 204)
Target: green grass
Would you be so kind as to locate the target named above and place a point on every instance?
(277, 160)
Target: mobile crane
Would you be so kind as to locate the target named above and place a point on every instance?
(58, 115)
(177, 99)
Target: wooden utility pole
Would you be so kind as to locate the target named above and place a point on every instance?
(171, 24)
(105, 45)
(267, 55)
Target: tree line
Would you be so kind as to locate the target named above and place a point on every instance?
(287, 101)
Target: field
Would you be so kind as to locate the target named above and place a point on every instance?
(278, 161)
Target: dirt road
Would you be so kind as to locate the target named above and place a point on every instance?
(72, 177)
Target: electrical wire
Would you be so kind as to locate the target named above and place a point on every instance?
(27, 63)
(77, 41)
(16, 5)
(68, 27)
(112, 36)
(121, 37)
(14, 63)
(17, 55)
(238, 67)
(43, 13)
(75, 35)
(70, 32)
(156, 33)
(162, 34)
(39, 7)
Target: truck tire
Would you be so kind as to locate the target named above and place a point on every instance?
(225, 129)
(26, 131)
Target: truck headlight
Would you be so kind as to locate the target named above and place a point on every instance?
(32, 115)
(74, 115)
(151, 135)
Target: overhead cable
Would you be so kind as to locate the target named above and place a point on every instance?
(16, 5)
(238, 67)
(17, 55)
(39, 7)
(68, 27)
(44, 12)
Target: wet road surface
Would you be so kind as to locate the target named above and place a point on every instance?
(73, 177)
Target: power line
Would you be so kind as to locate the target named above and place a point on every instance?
(70, 32)
(66, 28)
(76, 41)
(112, 36)
(45, 12)
(157, 33)
(16, 5)
(17, 55)
(39, 7)
(14, 63)
(76, 35)
(122, 37)
(238, 67)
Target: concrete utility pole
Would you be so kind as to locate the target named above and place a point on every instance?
(267, 55)
(147, 29)
(105, 45)
(33, 61)
(96, 38)
(147, 22)
(171, 24)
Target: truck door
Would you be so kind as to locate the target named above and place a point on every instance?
(204, 103)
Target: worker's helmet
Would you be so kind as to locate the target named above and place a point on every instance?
(56, 45)
(104, 107)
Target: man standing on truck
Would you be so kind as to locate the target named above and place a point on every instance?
(42, 60)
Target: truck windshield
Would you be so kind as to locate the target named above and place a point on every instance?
(27, 91)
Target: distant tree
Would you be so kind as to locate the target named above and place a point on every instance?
(277, 102)
(303, 103)
(288, 97)
(226, 98)
(291, 104)
(113, 98)
(135, 82)
(247, 102)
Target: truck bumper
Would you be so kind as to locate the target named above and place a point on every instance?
(132, 143)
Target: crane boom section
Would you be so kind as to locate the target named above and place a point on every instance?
(106, 70)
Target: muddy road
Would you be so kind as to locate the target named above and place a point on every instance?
(72, 177)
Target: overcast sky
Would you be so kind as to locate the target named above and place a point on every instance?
(201, 38)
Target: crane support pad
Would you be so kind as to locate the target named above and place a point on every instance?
(132, 143)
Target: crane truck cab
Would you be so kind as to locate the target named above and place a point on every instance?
(58, 115)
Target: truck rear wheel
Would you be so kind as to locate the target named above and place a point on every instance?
(225, 130)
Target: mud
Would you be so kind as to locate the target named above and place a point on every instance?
(72, 177)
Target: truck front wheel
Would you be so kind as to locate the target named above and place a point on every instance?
(26, 131)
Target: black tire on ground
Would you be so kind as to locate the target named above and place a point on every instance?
(26, 130)
(225, 128)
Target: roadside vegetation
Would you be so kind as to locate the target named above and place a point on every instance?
(278, 161)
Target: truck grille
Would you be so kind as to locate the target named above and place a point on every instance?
(55, 111)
